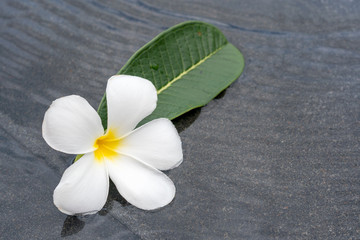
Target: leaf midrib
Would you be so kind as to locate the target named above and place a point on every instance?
(189, 69)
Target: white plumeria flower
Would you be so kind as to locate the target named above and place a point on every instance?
(131, 158)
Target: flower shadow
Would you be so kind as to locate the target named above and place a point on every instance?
(72, 225)
(113, 196)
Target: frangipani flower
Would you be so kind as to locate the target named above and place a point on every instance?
(131, 158)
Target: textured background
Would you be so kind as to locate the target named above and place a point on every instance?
(274, 156)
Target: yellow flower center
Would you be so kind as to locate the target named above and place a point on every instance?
(106, 146)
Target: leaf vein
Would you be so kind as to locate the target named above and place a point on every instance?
(188, 70)
(171, 65)
(180, 54)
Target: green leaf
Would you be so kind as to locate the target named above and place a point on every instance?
(189, 64)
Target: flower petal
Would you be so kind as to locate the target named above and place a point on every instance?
(71, 125)
(141, 185)
(156, 143)
(83, 188)
(129, 100)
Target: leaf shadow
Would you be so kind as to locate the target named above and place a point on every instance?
(221, 94)
(184, 121)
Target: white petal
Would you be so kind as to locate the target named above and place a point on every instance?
(83, 188)
(129, 100)
(156, 143)
(141, 185)
(71, 125)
